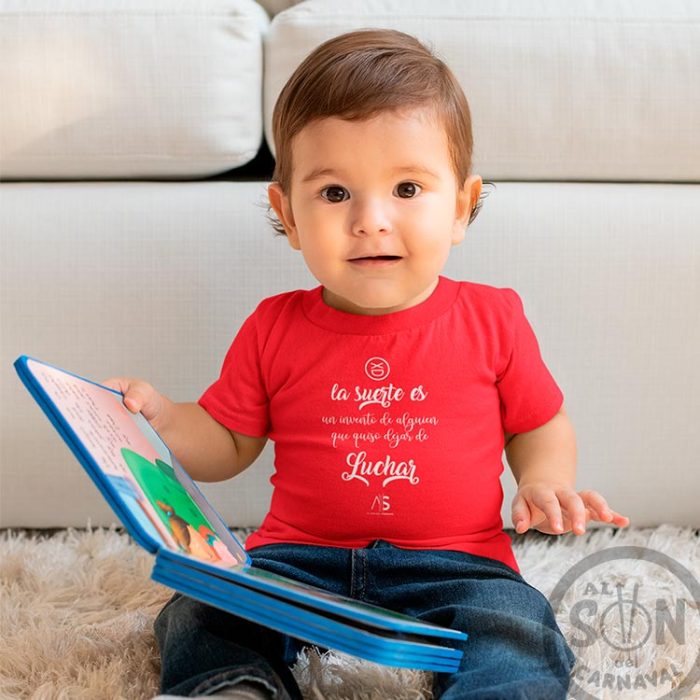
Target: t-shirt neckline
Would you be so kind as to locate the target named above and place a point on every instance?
(321, 314)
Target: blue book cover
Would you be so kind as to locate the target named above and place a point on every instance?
(165, 512)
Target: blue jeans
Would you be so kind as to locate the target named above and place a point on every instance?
(515, 649)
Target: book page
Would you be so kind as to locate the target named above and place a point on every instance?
(138, 468)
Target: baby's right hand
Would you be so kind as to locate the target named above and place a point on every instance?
(140, 396)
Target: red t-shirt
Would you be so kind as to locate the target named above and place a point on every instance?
(387, 427)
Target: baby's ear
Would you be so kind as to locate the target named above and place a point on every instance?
(462, 214)
(468, 198)
(283, 208)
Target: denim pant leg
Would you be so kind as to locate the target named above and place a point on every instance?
(515, 649)
(204, 649)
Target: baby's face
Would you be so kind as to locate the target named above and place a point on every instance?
(380, 187)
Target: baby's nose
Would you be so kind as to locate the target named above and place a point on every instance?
(371, 218)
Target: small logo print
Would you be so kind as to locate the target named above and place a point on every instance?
(377, 368)
(381, 505)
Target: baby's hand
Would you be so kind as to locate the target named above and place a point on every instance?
(554, 509)
(140, 396)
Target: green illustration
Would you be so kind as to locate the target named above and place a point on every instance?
(174, 506)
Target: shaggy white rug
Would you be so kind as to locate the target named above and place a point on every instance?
(77, 607)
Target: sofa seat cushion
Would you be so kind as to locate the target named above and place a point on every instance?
(153, 280)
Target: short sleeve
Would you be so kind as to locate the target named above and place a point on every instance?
(238, 399)
(529, 396)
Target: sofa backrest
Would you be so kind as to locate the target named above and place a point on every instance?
(594, 91)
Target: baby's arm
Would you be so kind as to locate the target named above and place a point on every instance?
(543, 462)
(206, 449)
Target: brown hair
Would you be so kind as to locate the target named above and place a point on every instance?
(356, 76)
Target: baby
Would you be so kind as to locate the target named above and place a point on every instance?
(390, 392)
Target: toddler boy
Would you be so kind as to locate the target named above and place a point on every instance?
(390, 392)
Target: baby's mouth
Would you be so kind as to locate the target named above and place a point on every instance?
(376, 261)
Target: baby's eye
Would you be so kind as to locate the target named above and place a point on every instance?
(335, 193)
(409, 189)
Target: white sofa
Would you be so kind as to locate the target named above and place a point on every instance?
(133, 237)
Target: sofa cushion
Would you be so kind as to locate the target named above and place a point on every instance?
(135, 89)
(153, 280)
(592, 90)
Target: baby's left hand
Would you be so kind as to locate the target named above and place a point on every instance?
(554, 509)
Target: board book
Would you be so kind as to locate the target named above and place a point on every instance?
(166, 513)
